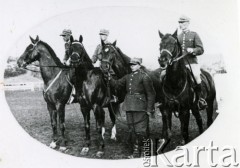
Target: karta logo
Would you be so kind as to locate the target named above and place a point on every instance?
(216, 156)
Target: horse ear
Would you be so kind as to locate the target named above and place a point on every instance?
(102, 43)
(114, 43)
(175, 34)
(37, 39)
(32, 40)
(81, 39)
(71, 39)
(160, 34)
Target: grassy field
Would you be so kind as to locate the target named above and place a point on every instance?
(29, 109)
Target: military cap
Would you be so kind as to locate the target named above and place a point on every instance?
(135, 61)
(66, 32)
(183, 18)
(104, 32)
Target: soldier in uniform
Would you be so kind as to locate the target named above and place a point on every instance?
(66, 34)
(98, 56)
(193, 46)
(138, 103)
(97, 53)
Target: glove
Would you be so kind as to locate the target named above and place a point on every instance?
(190, 50)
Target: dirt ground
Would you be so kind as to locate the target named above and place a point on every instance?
(30, 110)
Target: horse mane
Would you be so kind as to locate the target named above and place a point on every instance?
(126, 59)
(88, 60)
(53, 55)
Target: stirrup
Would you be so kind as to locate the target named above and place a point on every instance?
(202, 104)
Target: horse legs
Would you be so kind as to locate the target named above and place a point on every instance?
(184, 119)
(198, 118)
(210, 112)
(53, 116)
(61, 113)
(86, 116)
(167, 123)
(113, 111)
(100, 117)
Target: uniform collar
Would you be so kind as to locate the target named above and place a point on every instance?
(186, 31)
(136, 72)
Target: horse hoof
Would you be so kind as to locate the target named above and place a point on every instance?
(100, 154)
(84, 151)
(63, 148)
(53, 145)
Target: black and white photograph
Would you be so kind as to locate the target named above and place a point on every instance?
(119, 83)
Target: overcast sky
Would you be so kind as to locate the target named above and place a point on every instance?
(136, 28)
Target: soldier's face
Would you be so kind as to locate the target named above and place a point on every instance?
(135, 67)
(103, 37)
(66, 38)
(183, 25)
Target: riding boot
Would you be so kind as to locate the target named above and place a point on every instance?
(201, 102)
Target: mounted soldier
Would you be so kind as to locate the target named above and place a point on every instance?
(98, 55)
(138, 104)
(192, 46)
(67, 35)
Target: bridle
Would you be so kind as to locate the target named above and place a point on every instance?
(173, 58)
(107, 61)
(79, 57)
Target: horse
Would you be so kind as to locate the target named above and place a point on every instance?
(177, 87)
(57, 84)
(93, 94)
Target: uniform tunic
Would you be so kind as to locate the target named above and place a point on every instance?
(190, 39)
(140, 92)
(67, 51)
(140, 98)
(97, 53)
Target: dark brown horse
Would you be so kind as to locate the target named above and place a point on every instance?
(93, 94)
(178, 88)
(57, 84)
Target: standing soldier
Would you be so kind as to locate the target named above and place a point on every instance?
(66, 34)
(138, 103)
(192, 45)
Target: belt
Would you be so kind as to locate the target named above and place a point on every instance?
(131, 93)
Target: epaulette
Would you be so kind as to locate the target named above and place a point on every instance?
(141, 71)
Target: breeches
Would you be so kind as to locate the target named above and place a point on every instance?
(138, 123)
(196, 72)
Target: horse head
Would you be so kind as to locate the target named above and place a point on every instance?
(112, 57)
(169, 49)
(108, 56)
(76, 49)
(30, 54)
